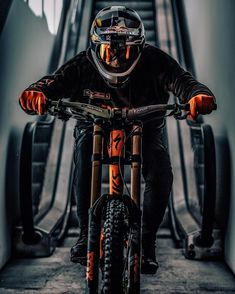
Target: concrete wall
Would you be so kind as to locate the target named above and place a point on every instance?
(211, 27)
(25, 52)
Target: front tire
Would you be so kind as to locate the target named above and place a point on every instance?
(113, 247)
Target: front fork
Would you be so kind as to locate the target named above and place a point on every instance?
(135, 246)
(92, 272)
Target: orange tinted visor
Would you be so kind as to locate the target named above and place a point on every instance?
(108, 55)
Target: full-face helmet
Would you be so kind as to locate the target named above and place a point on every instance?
(117, 38)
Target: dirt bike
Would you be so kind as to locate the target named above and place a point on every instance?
(114, 233)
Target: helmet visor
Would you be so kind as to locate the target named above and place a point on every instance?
(119, 18)
(117, 59)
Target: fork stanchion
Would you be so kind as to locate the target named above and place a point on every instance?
(92, 271)
(96, 161)
(134, 255)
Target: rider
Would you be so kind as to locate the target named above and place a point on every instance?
(120, 70)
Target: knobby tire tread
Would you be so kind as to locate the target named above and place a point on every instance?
(113, 247)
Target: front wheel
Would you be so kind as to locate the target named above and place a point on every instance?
(113, 247)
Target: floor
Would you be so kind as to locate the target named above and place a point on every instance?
(56, 274)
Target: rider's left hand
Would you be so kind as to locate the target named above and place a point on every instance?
(201, 104)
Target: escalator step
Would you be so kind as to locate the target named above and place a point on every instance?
(144, 15)
(140, 5)
(149, 25)
(150, 35)
(153, 43)
(121, 3)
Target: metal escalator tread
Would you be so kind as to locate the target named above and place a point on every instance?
(153, 43)
(121, 3)
(145, 15)
(150, 35)
(149, 24)
(140, 5)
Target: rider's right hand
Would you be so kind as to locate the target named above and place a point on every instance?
(33, 102)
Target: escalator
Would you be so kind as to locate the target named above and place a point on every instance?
(52, 213)
(51, 210)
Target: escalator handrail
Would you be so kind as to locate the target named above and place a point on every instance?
(26, 201)
(26, 205)
(30, 235)
(209, 200)
(186, 57)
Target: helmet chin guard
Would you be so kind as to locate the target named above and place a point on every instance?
(113, 79)
(117, 39)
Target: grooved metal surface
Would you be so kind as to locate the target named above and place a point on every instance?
(57, 275)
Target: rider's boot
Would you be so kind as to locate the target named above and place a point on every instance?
(149, 264)
(79, 250)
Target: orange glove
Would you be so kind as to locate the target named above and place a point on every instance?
(33, 101)
(201, 104)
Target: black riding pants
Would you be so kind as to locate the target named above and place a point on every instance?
(156, 171)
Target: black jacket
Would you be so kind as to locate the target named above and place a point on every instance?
(154, 76)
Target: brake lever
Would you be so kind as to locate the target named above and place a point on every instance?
(177, 113)
(180, 116)
(59, 111)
